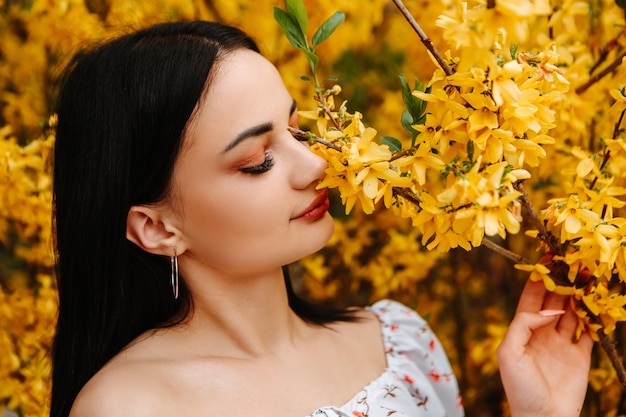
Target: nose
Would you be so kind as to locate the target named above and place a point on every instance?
(305, 167)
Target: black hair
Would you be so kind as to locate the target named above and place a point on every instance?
(122, 112)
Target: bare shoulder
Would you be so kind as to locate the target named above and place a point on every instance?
(133, 383)
(363, 335)
(151, 378)
(119, 391)
(366, 323)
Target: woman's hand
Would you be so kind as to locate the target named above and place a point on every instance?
(544, 371)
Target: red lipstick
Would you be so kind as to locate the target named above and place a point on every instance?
(316, 209)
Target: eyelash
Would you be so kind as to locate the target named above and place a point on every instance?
(267, 164)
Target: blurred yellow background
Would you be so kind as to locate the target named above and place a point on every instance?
(468, 297)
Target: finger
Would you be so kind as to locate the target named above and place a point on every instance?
(532, 297)
(522, 327)
(554, 301)
(569, 322)
(586, 342)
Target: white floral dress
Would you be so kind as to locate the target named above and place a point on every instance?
(418, 380)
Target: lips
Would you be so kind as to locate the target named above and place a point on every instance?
(317, 208)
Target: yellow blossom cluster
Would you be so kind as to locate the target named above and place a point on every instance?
(28, 302)
(362, 171)
(591, 237)
(477, 29)
(28, 318)
(25, 197)
(483, 127)
(530, 93)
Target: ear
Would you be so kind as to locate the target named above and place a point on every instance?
(151, 230)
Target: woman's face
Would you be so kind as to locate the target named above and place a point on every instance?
(244, 188)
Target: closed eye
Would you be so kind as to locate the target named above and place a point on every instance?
(265, 166)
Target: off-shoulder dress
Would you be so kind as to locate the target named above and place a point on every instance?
(418, 380)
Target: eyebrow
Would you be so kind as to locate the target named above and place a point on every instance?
(256, 130)
(249, 133)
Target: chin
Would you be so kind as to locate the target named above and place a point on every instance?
(316, 239)
(328, 223)
(327, 228)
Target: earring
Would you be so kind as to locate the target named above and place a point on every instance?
(174, 277)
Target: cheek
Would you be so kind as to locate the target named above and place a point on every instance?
(237, 241)
(239, 238)
(233, 221)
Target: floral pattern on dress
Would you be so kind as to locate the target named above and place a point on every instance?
(418, 380)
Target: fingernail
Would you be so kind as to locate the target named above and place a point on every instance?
(550, 313)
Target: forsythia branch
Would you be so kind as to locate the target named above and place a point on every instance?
(618, 124)
(407, 195)
(612, 44)
(518, 259)
(303, 136)
(423, 37)
(544, 234)
(398, 155)
(328, 111)
(616, 63)
(605, 160)
(609, 348)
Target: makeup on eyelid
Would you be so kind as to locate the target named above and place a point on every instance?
(254, 168)
(254, 165)
(250, 154)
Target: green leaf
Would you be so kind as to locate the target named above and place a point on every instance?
(419, 103)
(311, 56)
(290, 27)
(394, 144)
(328, 27)
(414, 105)
(407, 121)
(297, 10)
(305, 78)
(407, 93)
(470, 150)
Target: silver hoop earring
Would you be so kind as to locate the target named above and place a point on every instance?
(174, 277)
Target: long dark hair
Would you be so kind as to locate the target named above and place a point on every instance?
(122, 112)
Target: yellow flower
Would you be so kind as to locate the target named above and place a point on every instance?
(520, 116)
(481, 118)
(538, 272)
(572, 215)
(495, 216)
(620, 101)
(362, 171)
(528, 152)
(604, 199)
(505, 89)
(547, 75)
(610, 307)
(420, 162)
(495, 212)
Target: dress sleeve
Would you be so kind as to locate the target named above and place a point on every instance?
(407, 335)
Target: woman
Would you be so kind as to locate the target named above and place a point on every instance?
(179, 197)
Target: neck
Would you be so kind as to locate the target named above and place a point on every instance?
(241, 315)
